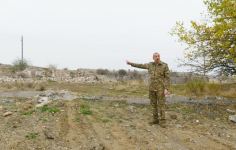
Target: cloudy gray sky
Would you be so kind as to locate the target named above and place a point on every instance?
(93, 33)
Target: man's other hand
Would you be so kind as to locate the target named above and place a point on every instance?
(166, 92)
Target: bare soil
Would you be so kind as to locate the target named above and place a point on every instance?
(113, 125)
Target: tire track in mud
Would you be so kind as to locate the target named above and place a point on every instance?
(90, 133)
(79, 135)
(72, 134)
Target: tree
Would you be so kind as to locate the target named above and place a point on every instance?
(211, 45)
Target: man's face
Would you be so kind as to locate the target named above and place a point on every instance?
(156, 57)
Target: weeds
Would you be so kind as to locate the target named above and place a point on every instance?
(31, 135)
(28, 113)
(201, 88)
(85, 109)
(52, 110)
(196, 87)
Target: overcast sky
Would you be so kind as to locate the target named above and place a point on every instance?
(93, 33)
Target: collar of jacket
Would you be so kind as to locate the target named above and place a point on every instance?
(161, 63)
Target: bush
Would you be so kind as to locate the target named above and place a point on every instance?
(122, 73)
(102, 71)
(85, 109)
(19, 65)
(52, 110)
(72, 74)
(197, 87)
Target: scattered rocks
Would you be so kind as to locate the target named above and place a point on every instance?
(7, 114)
(48, 134)
(7, 101)
(53, 95)
(48, 96)
(98, 147)
(230, 111)
(107, 137)
(232, 118)
(42, 101)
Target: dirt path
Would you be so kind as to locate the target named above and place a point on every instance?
(133, 132)
(111, 125)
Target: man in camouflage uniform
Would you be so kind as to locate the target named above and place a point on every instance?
(159, 84)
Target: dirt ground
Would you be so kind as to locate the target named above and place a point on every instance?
(112, 125)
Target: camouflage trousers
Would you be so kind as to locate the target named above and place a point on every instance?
(157, 101)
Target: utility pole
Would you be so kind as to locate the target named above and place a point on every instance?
(22, 50)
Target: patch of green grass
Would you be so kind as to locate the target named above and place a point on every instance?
(28, 113)
(85, 109)
(52, 110)
(31, 135)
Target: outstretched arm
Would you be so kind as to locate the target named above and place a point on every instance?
(142, 66)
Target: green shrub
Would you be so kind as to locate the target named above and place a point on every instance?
(52, 110)
(85, 109)
(196, 87)
(102, 71)
(28, 113)
(32, 135)
(122, 73)
(19, 65)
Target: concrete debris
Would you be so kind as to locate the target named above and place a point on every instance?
(48, 96)
(230, 111)
(232, 118)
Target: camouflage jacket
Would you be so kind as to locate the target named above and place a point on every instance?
(159, 75)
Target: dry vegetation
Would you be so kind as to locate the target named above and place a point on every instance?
(196, 88)
(200, 88)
